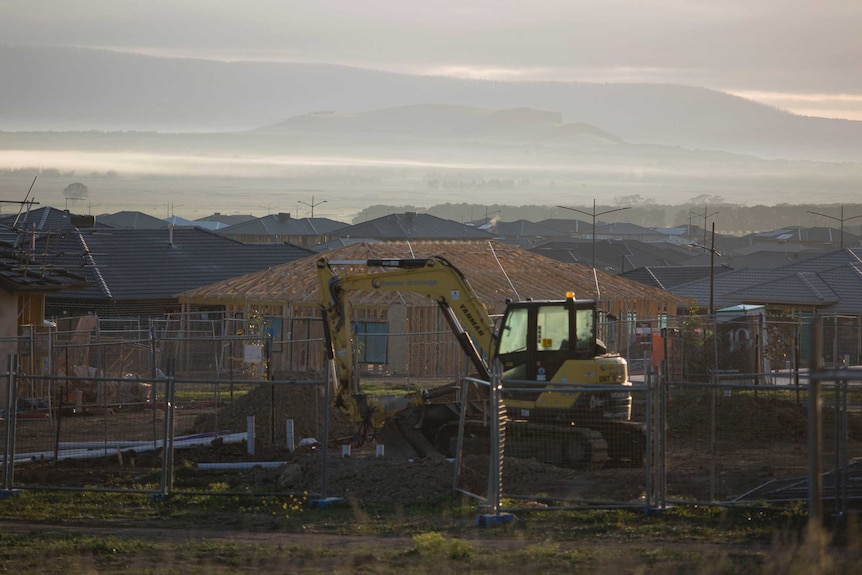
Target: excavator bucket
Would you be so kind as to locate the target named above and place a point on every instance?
(401, 437)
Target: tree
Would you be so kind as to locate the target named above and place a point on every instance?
(75, 191)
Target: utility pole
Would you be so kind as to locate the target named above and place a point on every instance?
(593, 215)
(712, 253)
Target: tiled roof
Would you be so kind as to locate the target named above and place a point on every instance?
(497, 271)
(625, 229)
(38, 220)
(127, 264)
(667, 277)
(801, 288)
(566, 226)
(133, 220)
(823, 235)
(614, 255)
(20, 273)
(724, 284)
(283, 225)
(831, 280)
(524, 228)
(411, 226)
(227, 220)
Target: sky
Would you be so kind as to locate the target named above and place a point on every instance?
(800, 55)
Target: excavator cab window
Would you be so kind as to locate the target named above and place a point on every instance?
(536, 338)
(513, 335)
(585, 330)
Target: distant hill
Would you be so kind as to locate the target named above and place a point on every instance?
(79, 89)
(430, 123)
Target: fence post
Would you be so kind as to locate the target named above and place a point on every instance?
(497, 425)
(648, 450)
(288, 435)
(9, 423)
(168, 430)
(815, 424)
(840, 505)
(662, 435)
(328, 372)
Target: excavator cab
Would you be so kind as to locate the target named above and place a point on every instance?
(536, 338)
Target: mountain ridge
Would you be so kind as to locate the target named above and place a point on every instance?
(84, 89)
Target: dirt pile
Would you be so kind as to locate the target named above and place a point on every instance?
(369, 480)
(744, 417)
(272, 405)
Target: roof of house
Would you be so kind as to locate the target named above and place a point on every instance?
(277, 225)
(13, 226)
(497, 271)
(766, 258)
(821, 235)
(411, 225)
(667, 277)
(832, 280)
(20, 272)
(180, 222)
(140, 264)
(132, 220)
(227, 220)
(567, 226)
(524, 229)
(615, 256)
(626, 229)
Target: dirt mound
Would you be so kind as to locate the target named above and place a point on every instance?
(746, 417)
(272, 405)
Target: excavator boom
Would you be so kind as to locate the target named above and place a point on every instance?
(435, 278)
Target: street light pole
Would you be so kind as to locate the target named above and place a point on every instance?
(593, 215)
(842, 219)
(712, 253)
(705, 217)
(712, 273)
(311, 205)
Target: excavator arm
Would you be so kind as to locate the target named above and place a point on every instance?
(436, 279)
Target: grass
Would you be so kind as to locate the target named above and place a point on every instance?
(66, 532)
(204, 394)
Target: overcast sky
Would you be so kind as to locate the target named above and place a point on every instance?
(801, 55)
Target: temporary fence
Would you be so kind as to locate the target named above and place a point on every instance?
(554, 463)
(743, 412)
(729, 436)
(94, 434)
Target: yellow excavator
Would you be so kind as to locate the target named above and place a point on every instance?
(548, 350)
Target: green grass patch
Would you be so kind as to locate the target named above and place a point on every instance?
(63, 532)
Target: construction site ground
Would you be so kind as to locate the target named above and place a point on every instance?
(754, 441)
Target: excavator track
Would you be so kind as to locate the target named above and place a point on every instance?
(576, 447)
(626, 442)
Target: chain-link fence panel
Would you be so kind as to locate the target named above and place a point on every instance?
(728, 439)
(836, 453)
(89, 433)
(570, 453)
(271, 436)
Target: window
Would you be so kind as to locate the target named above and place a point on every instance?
(513, 334)
(586, 329)
(552, 328)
